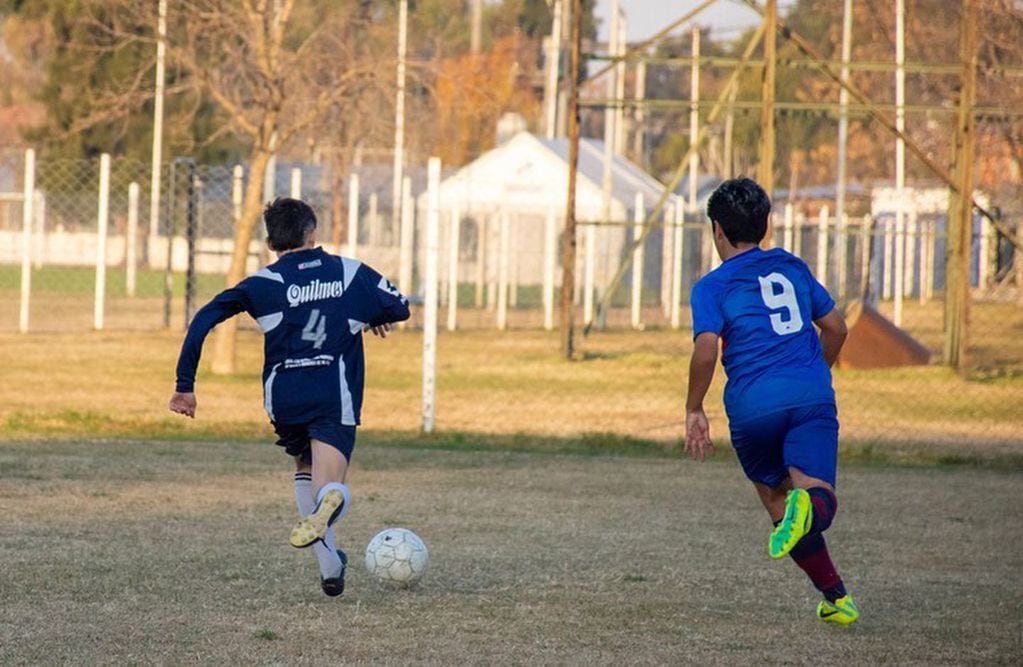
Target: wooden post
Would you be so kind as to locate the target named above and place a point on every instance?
(960, 214)
(765, 170)
(569, 243)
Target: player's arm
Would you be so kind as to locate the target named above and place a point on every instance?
(701, 373)
(387, 304)
(226, 304)
(833, 334)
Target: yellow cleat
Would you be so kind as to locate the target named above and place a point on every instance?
(796, 523)
(314, 526)
(842, 611)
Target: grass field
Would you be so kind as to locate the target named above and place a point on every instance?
(121, 552)
(564, 526)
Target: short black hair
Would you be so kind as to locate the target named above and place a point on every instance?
(742, 208)
(288, 223)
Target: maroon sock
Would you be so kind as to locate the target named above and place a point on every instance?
(811, 555)
(825, 504)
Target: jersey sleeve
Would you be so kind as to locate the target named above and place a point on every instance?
(386, 304)
(707, 314)
(227, 304)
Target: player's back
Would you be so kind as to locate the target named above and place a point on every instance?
(763, 304)
(312, 307)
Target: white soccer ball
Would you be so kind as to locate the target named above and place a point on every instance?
(397, 558)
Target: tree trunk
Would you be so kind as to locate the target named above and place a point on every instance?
(223, 360)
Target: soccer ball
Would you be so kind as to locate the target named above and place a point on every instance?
(397, 558)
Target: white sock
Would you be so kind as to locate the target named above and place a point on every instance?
(325, 550)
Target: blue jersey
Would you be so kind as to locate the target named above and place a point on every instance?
(312, 307)
(762, 303)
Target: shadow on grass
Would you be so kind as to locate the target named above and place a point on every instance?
(85, 425)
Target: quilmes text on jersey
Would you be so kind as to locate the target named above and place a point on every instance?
(317, 290)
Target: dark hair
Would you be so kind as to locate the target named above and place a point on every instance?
(288, 223)
(741, 207)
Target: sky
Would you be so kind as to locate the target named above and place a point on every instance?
(646, 17)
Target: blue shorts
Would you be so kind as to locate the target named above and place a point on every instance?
(295, 438)
(804, 438)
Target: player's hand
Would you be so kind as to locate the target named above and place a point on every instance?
(183, 403)
(698, 442)
(381, 330)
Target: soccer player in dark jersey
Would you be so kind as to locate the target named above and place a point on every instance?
(762, 305)
(312, 308)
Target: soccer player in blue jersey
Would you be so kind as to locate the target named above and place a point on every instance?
(762, 305)
(312, 308)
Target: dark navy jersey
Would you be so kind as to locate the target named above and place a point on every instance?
(312, 307)
(762, 303)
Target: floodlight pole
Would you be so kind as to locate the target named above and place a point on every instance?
(569, 244)
(900, 161)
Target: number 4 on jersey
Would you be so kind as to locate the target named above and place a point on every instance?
(785, 299)
(315, 329)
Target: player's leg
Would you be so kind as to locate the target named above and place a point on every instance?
(331, 446)
(773, 498)
(332, 561)
(811, 453)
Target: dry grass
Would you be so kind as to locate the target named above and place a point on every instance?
(124, 552)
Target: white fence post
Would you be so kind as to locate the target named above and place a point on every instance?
(676, 266)
(912, 236)
(549, 250)
(513, 262)
(353, 217)
(131, 239)
(638, 216)
(502, 271)
(454, 247)
(899, 269)
(926, 261)
(296, 183)
(822, 246)
(408, 234)
(26, 238)
(984, 253)
(888, 259)
(430, 294)
(102, 220)
(789, 220)
(667, 243)
(482, 227)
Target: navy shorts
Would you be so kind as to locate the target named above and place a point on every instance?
(804, 438)
(295, 438)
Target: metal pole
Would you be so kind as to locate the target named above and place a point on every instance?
(454, 247)
(430, 294)
(638, 217)
(102, 220)
(639, 147)
(550, 94)
(900, 160)
(353, 218)
(822, 245)
(408, 236)
(131, 240)
(154, 184)
(569, 244)
(841, 242)
(502, 271)
(619, 96)
(789, 219)
(28, 191)
(399, 120)
(676, 266)
(296, 183)
(765, 171)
